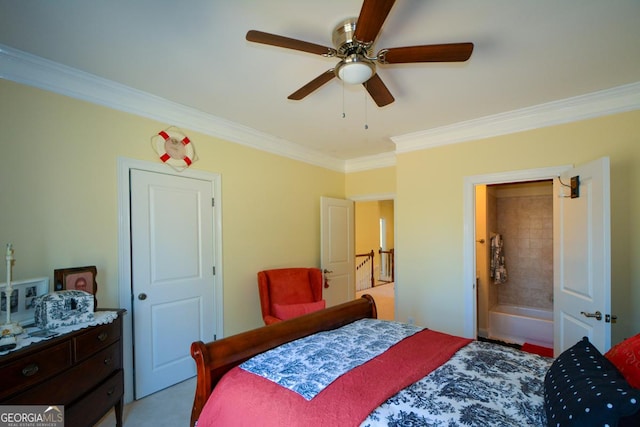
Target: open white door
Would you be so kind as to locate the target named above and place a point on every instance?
(337, 249)
(582, 258)
(172, 276)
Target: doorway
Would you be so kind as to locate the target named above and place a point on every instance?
(470, 271)
(375, 251)
(172, 276)
(514, 262)
(125, 270)
(582, 250)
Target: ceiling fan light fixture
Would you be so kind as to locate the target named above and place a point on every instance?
(355, 69)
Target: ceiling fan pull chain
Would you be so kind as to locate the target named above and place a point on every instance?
(366, 116)
(343, 113)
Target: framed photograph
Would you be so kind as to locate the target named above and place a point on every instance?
(22, 299)
(76, 278)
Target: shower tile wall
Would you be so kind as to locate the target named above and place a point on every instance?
(526, 224)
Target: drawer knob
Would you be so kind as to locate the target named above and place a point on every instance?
(110, 391)
(30, 370)
(103, 336)
(107, 361)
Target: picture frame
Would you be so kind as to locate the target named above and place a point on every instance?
(22, 299)
(77, 278)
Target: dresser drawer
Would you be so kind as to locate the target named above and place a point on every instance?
(95, 339)
(34, 368)
(92, 407)
(81, 370)
(66, 388)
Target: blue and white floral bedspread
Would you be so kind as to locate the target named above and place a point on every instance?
(483, 384)
(308, 365)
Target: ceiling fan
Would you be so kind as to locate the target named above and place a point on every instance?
(353, 40)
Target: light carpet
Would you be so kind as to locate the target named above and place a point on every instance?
(384, 296)
(168, 407)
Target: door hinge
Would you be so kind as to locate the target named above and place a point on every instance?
(214, 270)
(213, 202)
(610, 318)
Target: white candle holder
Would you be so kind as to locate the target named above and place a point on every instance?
(9, 330)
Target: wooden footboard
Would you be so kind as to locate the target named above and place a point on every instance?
(216, 358)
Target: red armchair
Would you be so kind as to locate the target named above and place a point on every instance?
(289, 292)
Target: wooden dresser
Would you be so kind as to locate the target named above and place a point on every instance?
(81, 370)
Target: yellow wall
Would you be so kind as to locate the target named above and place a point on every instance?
(59, 204)
(387, 212)
(59, 196)
(482, 260)
(429, 212)
(372, 182)
(367, 220)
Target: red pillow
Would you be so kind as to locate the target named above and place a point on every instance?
(288, 311)
(626, 357)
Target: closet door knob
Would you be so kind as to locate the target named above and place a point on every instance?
(142, 296)
(597, 315)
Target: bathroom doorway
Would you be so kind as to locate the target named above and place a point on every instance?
(581, 250)
(514, 262)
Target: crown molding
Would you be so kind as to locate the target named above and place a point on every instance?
(375, 161)
(611, 101)
(22, 67)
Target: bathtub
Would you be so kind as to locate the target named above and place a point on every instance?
(521, 324)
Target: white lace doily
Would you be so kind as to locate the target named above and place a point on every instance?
(32, 334)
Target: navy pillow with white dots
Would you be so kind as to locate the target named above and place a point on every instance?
(582, 388)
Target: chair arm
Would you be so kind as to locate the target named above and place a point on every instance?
(268, 319)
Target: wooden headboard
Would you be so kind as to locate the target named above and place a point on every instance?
(216, 358)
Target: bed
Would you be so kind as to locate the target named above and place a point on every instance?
(343, 367)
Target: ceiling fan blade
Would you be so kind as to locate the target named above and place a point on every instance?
(378, 91)
(312, 85)
(452, 52)
(288, 43)
(372, 16)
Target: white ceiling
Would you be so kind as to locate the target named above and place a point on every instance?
(194, 53)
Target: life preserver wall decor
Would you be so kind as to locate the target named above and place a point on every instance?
(174, 148)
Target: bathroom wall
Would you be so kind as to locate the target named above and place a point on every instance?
(486, 221)
(483, 285)
(492, 224)
(524, 217)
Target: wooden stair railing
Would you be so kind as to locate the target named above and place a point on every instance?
(365, 277)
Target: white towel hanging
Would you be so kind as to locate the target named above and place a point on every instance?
(498, 267)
